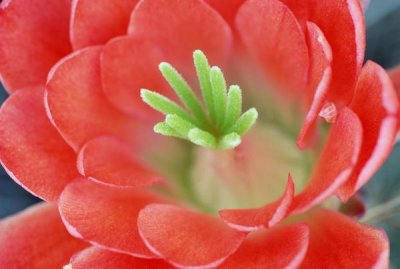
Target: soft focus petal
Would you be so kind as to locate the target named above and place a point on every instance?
(36, 239)
(97, 258)
(76, 103)
(395, 77)
(278, 247)
(94, 23)
(319, 79)
(227, 9)
(110, 161)
(264, 217)
(376, 104)
(31, 150)
(125, 71)
(105, 216)
(180, 27)
(185, 238)
(343, 24)
(337, 241)
(336, 162)
(33, 36)
(273, 36)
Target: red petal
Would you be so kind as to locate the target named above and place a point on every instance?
(319, 80)
(76, 102)
(395, 76)
(180, 27)
(264, 217)
(96, 23)
(279, 247)
(125, 71)
(33, 37)
(105, 216)
(31, 150)
(336, 162)
(186, 238)
(227, 9)
(36, 238)
(343, 24)
(110, 161)
(377, 106)
(337, 241)
(272, 34)
(102, 259)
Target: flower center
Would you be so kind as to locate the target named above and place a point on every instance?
(217, 123)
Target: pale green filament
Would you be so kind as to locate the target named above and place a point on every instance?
(216, 124)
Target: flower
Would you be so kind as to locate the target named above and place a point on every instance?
(222, 199)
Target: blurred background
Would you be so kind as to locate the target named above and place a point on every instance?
(383, 46)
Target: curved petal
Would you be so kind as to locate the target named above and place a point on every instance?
(33, 37)
(105, 216)
(98, 258)
(76, 103)
(109, 161)
(31, 150)
(377, 105)
(335, 163)
(346, 37)
(278, 247)
(186, 238)
(96, 23)
(227, 9)
(319, 79)
(395, 77)
(344, 243)
(36, 238)
(273, 35)
(180, 27)
(125, 71)
(264, 217)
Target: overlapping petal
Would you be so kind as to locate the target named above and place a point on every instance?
(37, 239)
(274, 37)
(125, 70)
(105, 216)
(96, 23)
(336, 162)
(278, 247)
(76, 103)
(97, 258)
(343, 25)
(31, 150)
(264, 217)
(180, 27)
(337, 241)
(319, 80)
(376, 104)
(110, 161)
(34, 36)
(185, 238)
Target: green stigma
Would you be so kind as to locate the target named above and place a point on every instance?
(215, 123)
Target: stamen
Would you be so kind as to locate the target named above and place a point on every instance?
(217, 123)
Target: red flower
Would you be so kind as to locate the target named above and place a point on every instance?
(142, 200)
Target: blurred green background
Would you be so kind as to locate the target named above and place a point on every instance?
(383, 46)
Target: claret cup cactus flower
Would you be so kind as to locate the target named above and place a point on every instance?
(191, 133)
